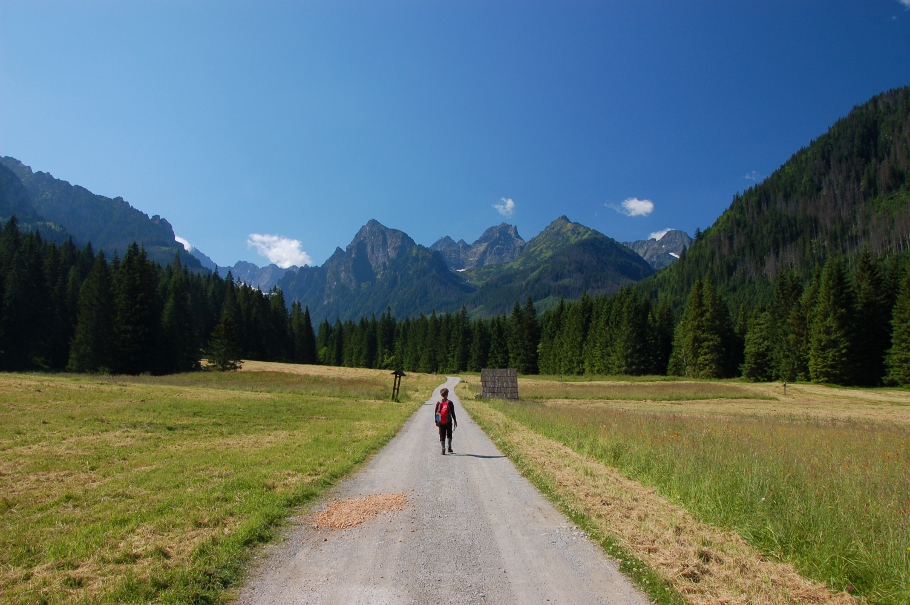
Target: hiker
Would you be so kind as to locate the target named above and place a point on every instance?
(445, 418)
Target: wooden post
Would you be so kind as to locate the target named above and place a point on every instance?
(396, 383)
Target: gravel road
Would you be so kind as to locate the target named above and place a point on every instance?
(473, 531)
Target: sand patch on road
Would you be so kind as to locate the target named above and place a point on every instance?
(342, 514)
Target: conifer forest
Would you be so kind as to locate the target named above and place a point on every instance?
(70, 309)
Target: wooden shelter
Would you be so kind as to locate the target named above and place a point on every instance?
(500, 384)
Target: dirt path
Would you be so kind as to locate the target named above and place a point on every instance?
(473, 531)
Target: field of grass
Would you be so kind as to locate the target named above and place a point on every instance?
(819, 478)
(153, 489)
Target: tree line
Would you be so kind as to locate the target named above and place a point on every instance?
(64, 308)
(847, 325)
(70, 309)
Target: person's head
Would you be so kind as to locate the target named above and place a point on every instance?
(444, 393)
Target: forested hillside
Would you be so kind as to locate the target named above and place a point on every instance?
(848, 190)
(70, 308)
(108, 224)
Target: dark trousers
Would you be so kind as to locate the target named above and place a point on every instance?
(445, 430)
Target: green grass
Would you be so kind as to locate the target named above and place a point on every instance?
(832, 497)
(153, 489)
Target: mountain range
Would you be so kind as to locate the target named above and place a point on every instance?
(62, 211)
(380, 269)
(384, 268)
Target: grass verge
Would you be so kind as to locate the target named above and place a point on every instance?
(829, 495)
(137, 490)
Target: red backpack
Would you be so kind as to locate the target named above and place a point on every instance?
(442, 412)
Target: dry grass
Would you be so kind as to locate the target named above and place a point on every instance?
(818, 478)
(719, 399)
(704, 564)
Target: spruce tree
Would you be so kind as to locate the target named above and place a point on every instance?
(873, 320)
(302, 337)
(499, 346)
(759, 349)
(899, 355)
(93, 344)
(224, 346)
(480, 346)
(701, 347)
(179, 343)
(831, 345)
(550, 326)
(136, 314)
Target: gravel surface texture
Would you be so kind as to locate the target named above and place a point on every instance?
(471, 530)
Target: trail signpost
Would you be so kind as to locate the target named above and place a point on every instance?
(396, 383)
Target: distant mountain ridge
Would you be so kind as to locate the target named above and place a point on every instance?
(499, 244)
(664, 251)
(381, 268)
(384, 268)
(109, 224)
(565, 260)
(261, 278)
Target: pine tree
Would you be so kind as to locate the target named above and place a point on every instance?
(179, 343)
(788, 329)
(499, 347)
(899, 355)
(136, 314)
(660, 339)
(831, 345)
(873, 320)
(701, 347)
(224, 346)
(480, 346)
(550, 326)
(93, 344)
(302, 337)
(570, 344)
(759, 354)
(629, 352)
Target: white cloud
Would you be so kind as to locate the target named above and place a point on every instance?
(283, 251)
(505, 207)
(633, 207)
(754, 175)
(906, 3)
(186, 245)
(658, 235)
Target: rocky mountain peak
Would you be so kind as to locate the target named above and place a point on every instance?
(379, 245)
(499, 244)
(663, 250)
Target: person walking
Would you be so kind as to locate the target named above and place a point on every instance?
(445, 420)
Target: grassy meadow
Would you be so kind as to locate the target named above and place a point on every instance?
(152, 489)
(818, 478)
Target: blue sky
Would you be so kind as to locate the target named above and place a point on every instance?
(280, 128)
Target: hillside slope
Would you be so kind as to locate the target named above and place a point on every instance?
(564, 260)
(109, 224)
(848, 190)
